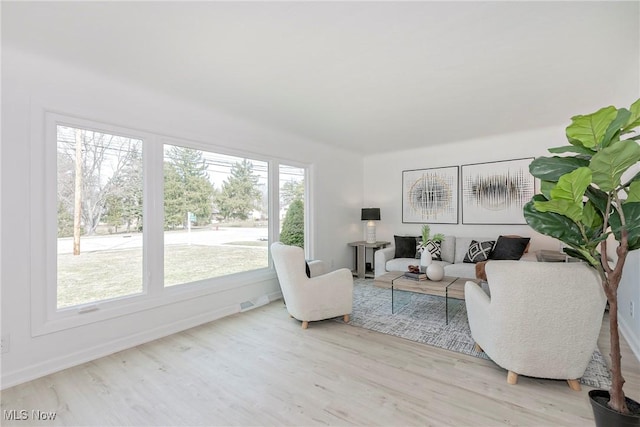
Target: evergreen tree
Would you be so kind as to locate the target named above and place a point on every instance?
(186, 187)
(293, 225)
(114, 211)
(292, 190)
(240, 193)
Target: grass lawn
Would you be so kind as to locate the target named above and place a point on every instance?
(94, 276)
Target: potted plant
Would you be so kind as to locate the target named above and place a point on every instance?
(426, 248)
(426, 237)
(584, 201)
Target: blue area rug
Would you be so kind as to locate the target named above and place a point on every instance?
(421, 318)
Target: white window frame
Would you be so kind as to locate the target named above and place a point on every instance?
(45, 316)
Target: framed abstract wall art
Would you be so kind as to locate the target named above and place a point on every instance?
(495, 193)
(430, 195)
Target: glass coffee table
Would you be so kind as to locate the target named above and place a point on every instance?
(450, 288)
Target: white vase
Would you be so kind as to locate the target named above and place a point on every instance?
(425, 260)
(435, 272)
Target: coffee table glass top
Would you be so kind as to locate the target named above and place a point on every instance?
(404, 289)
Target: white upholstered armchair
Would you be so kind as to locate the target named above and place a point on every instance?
(311, 298)
(542, 319)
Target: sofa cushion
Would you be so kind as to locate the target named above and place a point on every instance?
(402, 264)
(462, 246)
(405, 246)
(479, 251)
(448, 249)
(467, 271)
(509, 248)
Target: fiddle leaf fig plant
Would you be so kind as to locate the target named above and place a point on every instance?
(584, 200)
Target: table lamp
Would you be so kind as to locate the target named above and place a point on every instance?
(370, 215)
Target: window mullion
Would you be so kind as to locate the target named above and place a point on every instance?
(153, 217)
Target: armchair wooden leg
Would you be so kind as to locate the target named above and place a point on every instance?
(574, 385)
(346, 318)
(477, 348)
(512, 378)
(305, 324)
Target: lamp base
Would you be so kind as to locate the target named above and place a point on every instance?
(371, 232)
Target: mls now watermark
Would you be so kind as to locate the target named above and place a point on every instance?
(24, 415)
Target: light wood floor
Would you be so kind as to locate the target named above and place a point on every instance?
(261, 368)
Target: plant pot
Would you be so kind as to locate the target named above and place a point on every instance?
(607, 417)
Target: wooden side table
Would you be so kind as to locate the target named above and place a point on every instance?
(361, 257)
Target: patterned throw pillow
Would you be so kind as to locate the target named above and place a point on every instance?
(435, 249)
(479, 251)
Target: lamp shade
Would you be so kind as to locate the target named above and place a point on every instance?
(370, 214)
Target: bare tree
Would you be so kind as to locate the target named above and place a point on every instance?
(106, 165)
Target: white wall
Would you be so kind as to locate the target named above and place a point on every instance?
(383, 180)
(629, 293)
(27, 83)
(383, 185)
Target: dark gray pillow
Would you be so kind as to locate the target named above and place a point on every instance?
(510, 248)
(405, 246)
(479, 251)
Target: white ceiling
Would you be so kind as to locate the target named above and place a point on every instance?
(366, 76)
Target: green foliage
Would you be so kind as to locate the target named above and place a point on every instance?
(589, 131)
(291, 190)
(552, 168)
(583, 199)
(566, 195)
(610, 163)
(113, 215)
(186, 187)
(65, 221)
(293, 225)
(426, 231)
(240, 194)
(631, 213)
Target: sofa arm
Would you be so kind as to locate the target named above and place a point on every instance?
(317, 267)
(380, 260)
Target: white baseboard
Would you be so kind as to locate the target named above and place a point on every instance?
(9, 379)
(628, 335)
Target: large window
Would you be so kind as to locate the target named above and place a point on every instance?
(215, 215)
(130, 216)
(292, 197)
(99, 216)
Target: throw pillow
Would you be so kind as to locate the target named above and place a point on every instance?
(478, 251)
(435, 249)
(405, 246)
(510, 248)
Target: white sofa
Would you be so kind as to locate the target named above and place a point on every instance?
(542, 319)
(453, 251)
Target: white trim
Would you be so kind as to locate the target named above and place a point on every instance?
(627, 332)
(10, 379)
(45, 316)
(309, 208)
(153, 224)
